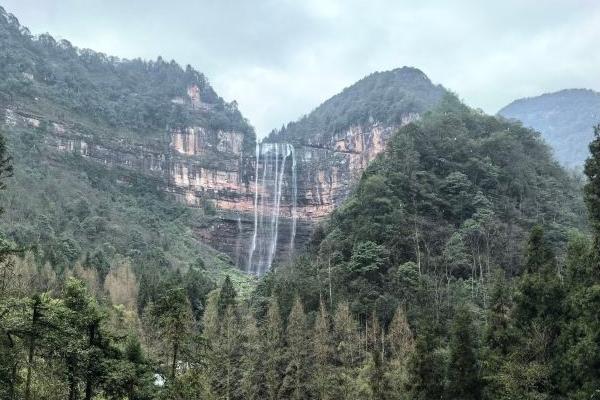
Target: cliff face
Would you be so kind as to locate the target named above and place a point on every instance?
(204, 167)
(265, 200)
(167, 123)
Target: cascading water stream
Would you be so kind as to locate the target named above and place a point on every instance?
(253, 245)
(269, 192)
(294, 199)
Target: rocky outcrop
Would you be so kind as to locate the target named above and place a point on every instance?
(203, 167)
(265, 207)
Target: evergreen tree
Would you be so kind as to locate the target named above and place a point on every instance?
(401, 346)
(253, 385)
(223, 333)
(130, 375)
(171, 317)
(539, 297)
(272, 349)
(197, 286)
(539, 315)
(498, 335)
(227, 295)
(426, 367)
(346, 343)
(323, 353)
(83, 353)
(296, 379)
(579, 343)
(592, 188)
(464, 376)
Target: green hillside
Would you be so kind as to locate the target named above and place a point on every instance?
(66, 209)
(383, 97)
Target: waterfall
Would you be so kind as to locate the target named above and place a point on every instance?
(253, 246)
(294, 199)
(269, 182)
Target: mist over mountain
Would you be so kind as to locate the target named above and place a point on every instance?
(565, 119)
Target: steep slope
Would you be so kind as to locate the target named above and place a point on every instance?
(387, 98)
(102, 148)
(564, 118)
(321, 156)
(449, 202)
(92, 118)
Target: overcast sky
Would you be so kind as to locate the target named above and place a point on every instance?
(280, 59)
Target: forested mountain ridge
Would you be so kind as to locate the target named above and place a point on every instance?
(157, 121)
(564, 118)
(453, 196)
(461, 257)
(90, 136)
(388, 98)
(43, 75)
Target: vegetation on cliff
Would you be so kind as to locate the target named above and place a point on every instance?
(54, 78)
(385, 97)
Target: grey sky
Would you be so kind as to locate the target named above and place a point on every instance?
(280, 59)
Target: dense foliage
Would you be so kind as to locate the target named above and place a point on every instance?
(382, 97)
(70, 212)
(138, 95)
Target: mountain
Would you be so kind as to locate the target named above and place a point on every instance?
(388, 98)
(156, 139)
(447, 205)
(96, 157)
(407, 246)
(327, 151)
(565, 119)
(456, 262)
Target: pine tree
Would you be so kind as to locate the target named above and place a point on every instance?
(426, 367)
(346, 344)
(253, 385)
(297, 372)
(322, 350)
(498, 335)
(540, 293)
(538, 317)
(227, 295)
(592, 188)
(272, 346)
(131, 375)
(171, 316)
(83, 353)
(224, 338)
(401, 346)
(464, 378)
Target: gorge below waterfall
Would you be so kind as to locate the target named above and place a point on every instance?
(275, 164)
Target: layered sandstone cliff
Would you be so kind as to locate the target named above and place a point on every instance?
(266, 200)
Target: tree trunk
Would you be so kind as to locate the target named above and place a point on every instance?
(330, 289)
(31, 346)
(73, 391)
(174, 362)
(89, 388)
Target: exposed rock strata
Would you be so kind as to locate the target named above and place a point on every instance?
(199, 166)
